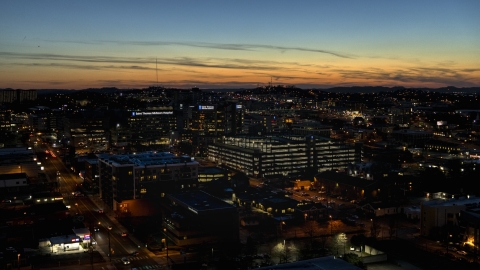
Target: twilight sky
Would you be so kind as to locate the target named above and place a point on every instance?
(239, 44)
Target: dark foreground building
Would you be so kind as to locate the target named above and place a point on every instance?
(196, 217)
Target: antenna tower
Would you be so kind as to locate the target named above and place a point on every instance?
(156, 69)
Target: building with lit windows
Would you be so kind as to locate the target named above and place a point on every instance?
(207, 174)
(210, 122)
(87, 130)
(10, 95)
(438, 213)
(128, 178)
(151, 127)
(18, 160)
(292, 155)
(5, 121)
(412, 138)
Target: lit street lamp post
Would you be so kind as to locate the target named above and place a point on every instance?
(166, 245)
(109, 249)
(331, 229)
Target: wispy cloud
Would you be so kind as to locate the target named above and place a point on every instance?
(86, 67)
(410, 75)
(218, 46)
(137, 63)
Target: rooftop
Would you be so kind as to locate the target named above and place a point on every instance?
(451, 202)
(145, 158)
(199, 201)
(322, 263)
(210, 170)
(345, 179)
(11, 176)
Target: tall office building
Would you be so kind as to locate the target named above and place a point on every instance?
(10, 95)
(87, 130)
(146, 175)
(23, 95)
(211, 122)
(5, 121)
(152, 127)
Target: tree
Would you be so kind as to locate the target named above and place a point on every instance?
(375, 228)
(358, 240)
(251, 246)
(355, 260)
(392, 226)
(285, 256)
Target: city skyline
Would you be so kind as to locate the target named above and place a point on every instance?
(215, 44)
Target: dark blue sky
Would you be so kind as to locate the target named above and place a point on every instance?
(77, 44)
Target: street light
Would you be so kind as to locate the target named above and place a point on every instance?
(344, 240)
(305, 218)
(109, 249)
(331, 229)
(166, 245)
(18, 262)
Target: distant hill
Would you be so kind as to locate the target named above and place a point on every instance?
(352, 89)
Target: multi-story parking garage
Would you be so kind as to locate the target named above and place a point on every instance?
(282, 155)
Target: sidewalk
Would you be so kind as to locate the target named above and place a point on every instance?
(111, 215)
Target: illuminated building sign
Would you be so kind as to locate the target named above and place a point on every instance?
(239, 106)
(151, 113)
(86, 237)
(204, 107)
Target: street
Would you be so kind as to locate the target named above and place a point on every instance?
(85, 208)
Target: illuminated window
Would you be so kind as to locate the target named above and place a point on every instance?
(129, 172)
(143, 190)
